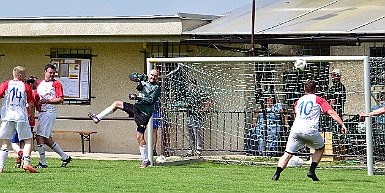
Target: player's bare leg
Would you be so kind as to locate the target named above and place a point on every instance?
(282, 163)
(27, 156)
(17, 148)
(109, 110)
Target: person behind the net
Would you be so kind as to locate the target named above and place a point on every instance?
(149, 92)
(50, 92)
(157, 124)
(305, 129)
(198, 104)
(18, 145)
(16, 95)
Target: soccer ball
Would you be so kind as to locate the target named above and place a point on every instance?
(160, 159)
(295, 161)
(300, 64)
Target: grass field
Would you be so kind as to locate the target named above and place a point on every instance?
(125, 176)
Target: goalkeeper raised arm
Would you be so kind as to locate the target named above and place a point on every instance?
(148, 93)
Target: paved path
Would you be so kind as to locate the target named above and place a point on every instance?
(93, 156)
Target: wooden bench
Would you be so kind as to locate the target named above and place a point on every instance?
(84, 136)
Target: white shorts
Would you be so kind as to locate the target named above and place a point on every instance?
(45, 124)
(8, 129)
(296, 141)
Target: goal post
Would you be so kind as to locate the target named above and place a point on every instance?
(230, 81)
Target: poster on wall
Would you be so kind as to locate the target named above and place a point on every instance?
(74, 75)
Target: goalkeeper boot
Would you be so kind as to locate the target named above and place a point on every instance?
(30, 169)
(312, 175)
(66, 161)
(93, 117)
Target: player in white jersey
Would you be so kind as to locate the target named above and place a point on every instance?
(50, 93)
(305, 129)
(14, 117)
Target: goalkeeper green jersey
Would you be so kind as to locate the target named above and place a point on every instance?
(149, 94)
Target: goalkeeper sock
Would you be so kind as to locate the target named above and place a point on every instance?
(313, 166)
(105, 113)
(143, 152)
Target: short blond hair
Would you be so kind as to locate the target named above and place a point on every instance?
(17, 71)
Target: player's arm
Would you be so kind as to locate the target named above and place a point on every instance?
(376, 112)
(59, 95)
(151, 98)
(328, 110)
(136, 77)
(337, 118)
(30, 101)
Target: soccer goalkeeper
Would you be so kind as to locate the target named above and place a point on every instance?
(149, 92)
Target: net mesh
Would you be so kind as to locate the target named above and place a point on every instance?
(246, 108)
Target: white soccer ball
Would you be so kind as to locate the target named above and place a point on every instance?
(160, 159)
(300, 64)
(295, 161)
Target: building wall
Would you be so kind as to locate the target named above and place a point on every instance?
(109, 82)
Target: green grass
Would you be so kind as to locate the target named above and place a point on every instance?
(125, 176)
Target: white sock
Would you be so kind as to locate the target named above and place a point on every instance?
(56, 148)
(26, 159)
(143, 152)
(3, 157)
(41, 150)
(104, 113)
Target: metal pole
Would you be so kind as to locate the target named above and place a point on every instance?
(368, 120)
(150, 132)
(252, 28)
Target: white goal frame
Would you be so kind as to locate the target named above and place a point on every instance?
(367, 87)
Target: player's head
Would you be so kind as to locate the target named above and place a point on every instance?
(19, 73)
(49, 72)
(32, 81)
(153, 76)
(335, 75)
(310, 86)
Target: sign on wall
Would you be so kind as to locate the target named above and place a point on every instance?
(74, 74)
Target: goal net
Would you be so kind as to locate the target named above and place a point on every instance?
(243, 106)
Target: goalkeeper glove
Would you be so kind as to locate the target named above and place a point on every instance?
(134, 78)
(140, 86)
(134, 97)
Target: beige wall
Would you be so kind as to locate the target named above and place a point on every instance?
(109, 79)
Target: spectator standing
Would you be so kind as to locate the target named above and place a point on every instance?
(336, 94)
(197, 107)
(274, 127)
